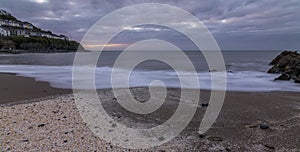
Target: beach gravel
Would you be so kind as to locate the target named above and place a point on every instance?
(54, 124)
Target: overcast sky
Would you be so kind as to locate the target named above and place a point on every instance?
(235, 24)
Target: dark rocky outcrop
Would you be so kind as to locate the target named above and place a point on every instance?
(288, 64)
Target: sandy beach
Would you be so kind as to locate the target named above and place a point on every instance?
(48, 120)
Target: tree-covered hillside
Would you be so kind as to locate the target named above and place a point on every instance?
(37, 44)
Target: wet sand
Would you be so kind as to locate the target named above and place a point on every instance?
(15, 89)
(54, 123)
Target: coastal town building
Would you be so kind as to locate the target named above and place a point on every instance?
(27, 26)
(4, 32)
(13, 27)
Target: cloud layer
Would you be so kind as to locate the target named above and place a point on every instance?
(236, 24)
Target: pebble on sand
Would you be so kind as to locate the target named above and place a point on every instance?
(264, 126)
(202, 136)
(270, 147)
(41, 125)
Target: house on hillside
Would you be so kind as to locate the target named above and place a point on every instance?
(4, 32)
(35, 34)
(15, 24)
(10, 23)
(2, 22)
(47, 35)
(27, 25)
(15, 31)
(63, 37)
(12, 28)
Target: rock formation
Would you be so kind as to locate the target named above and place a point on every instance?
(288, 65)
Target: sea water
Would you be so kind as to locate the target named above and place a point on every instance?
(246, 70)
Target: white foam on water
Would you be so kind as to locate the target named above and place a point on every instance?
(61, 77)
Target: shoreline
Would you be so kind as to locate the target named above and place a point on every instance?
(53, 122)
(29, 89)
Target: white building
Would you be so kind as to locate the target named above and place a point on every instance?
(15, 24)
(35, 34)
(10, 28)
(12, 31)
(10, 23)
(2, 22)
(47, 35)
(4, 32)
(18, 32)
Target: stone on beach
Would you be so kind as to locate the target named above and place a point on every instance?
(270, 147)
(264, 126)
(202, 135)
(41, 125)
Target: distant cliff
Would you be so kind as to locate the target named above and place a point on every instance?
(18, 37)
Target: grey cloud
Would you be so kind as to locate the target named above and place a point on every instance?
(254, 20)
